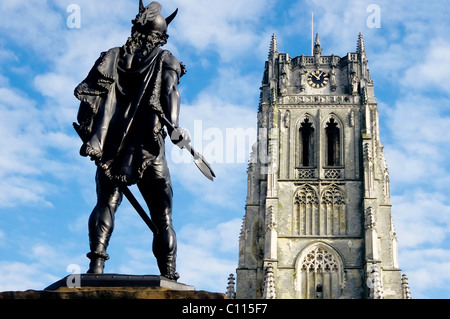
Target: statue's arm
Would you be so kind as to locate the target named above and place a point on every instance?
(170, 96)
(170, 100)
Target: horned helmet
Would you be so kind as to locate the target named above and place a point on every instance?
(150, 18)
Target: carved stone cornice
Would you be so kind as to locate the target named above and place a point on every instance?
(316, 100)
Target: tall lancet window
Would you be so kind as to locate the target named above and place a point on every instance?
(306, 143)
(333, 143)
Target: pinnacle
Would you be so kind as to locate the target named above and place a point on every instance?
(360, 47)
(273, 46)
(317, 49)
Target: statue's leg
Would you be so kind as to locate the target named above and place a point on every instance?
(156, 189)
(101, 221)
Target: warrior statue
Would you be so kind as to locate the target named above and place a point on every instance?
(124, 99)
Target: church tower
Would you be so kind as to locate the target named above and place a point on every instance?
(318, 212)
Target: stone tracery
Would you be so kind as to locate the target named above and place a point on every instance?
(319, 259)
(319, 273)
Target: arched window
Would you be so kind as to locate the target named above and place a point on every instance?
(319, 273)
(333, 143)
(306, 143)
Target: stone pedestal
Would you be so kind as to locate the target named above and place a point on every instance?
(113, 286)
(117, 281)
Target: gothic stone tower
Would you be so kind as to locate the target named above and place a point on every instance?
(318, 213)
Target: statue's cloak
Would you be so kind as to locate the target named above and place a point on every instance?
(118, 114)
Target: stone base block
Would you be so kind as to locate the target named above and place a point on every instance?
(118, 280)
(113, 286)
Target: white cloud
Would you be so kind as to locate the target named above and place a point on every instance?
(233, 86)
(222, 237)
(19, 191)
(44, 263)
(20, 276)
(428, 272)
(8, 56)
(204, 271)
(433, 72)
(203, 260)
(421, 217)
(55, 86)
(231, 28)
(222, 124)
(27, 150)
(19, 148)
(214, 137)
(339, 23)
(417, 151)
(25, 21)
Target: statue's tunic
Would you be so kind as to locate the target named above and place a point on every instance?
(118, 115)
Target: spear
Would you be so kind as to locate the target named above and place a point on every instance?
(199, 160)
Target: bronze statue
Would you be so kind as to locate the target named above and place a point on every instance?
(127, 99)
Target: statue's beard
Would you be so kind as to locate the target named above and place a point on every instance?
(145, 43)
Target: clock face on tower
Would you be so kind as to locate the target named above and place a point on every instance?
(318, 79)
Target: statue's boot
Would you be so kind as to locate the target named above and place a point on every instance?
(97, 257)
(96, 266)
(167, 268)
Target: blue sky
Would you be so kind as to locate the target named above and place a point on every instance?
(47, 190)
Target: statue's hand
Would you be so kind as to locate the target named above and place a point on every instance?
(180, 137)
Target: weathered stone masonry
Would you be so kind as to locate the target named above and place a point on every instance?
(318, 213)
